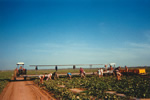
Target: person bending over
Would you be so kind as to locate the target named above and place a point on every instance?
(69, 75)
(49, 76)
(41, 78)
(82, 72)
(117, 73)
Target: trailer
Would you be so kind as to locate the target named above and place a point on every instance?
(139, 71)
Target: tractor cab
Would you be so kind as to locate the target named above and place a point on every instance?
(20, 69)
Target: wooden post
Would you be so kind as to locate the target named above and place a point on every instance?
(74, 67)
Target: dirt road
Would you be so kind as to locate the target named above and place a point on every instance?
(23, 90)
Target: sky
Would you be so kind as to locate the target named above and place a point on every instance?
(53, 32)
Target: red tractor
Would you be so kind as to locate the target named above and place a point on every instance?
(20, 70)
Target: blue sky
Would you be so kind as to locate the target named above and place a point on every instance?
(74, 32)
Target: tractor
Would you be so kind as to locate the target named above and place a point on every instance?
(20, 70)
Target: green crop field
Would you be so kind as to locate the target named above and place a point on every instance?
(132, 86)
(5, 77)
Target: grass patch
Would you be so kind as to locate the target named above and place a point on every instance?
(5, 77)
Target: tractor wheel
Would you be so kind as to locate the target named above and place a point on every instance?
(25, 78)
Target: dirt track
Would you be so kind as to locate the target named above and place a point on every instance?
(23, 90)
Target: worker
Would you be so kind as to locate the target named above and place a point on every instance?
(41, 78)
(15, 73)
(36, 68)
(69, 75)
(111, 68)
(117, 73)
(55, 75)
(49, 76)
(20, 70)
(56, 68)
(126, 70)
(114, 71)
(74, 67)
(81, 70)
(100, 72)
(24, 71)
(82, 73)
(105, 67)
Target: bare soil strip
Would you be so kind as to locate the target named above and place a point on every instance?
(61, 86)
(76, 90)
(111, 92)
(23, 90)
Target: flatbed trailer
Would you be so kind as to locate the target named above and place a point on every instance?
(140, 71)
(65, 74)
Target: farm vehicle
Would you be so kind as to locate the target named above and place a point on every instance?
(20, 70)
(135, 71)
